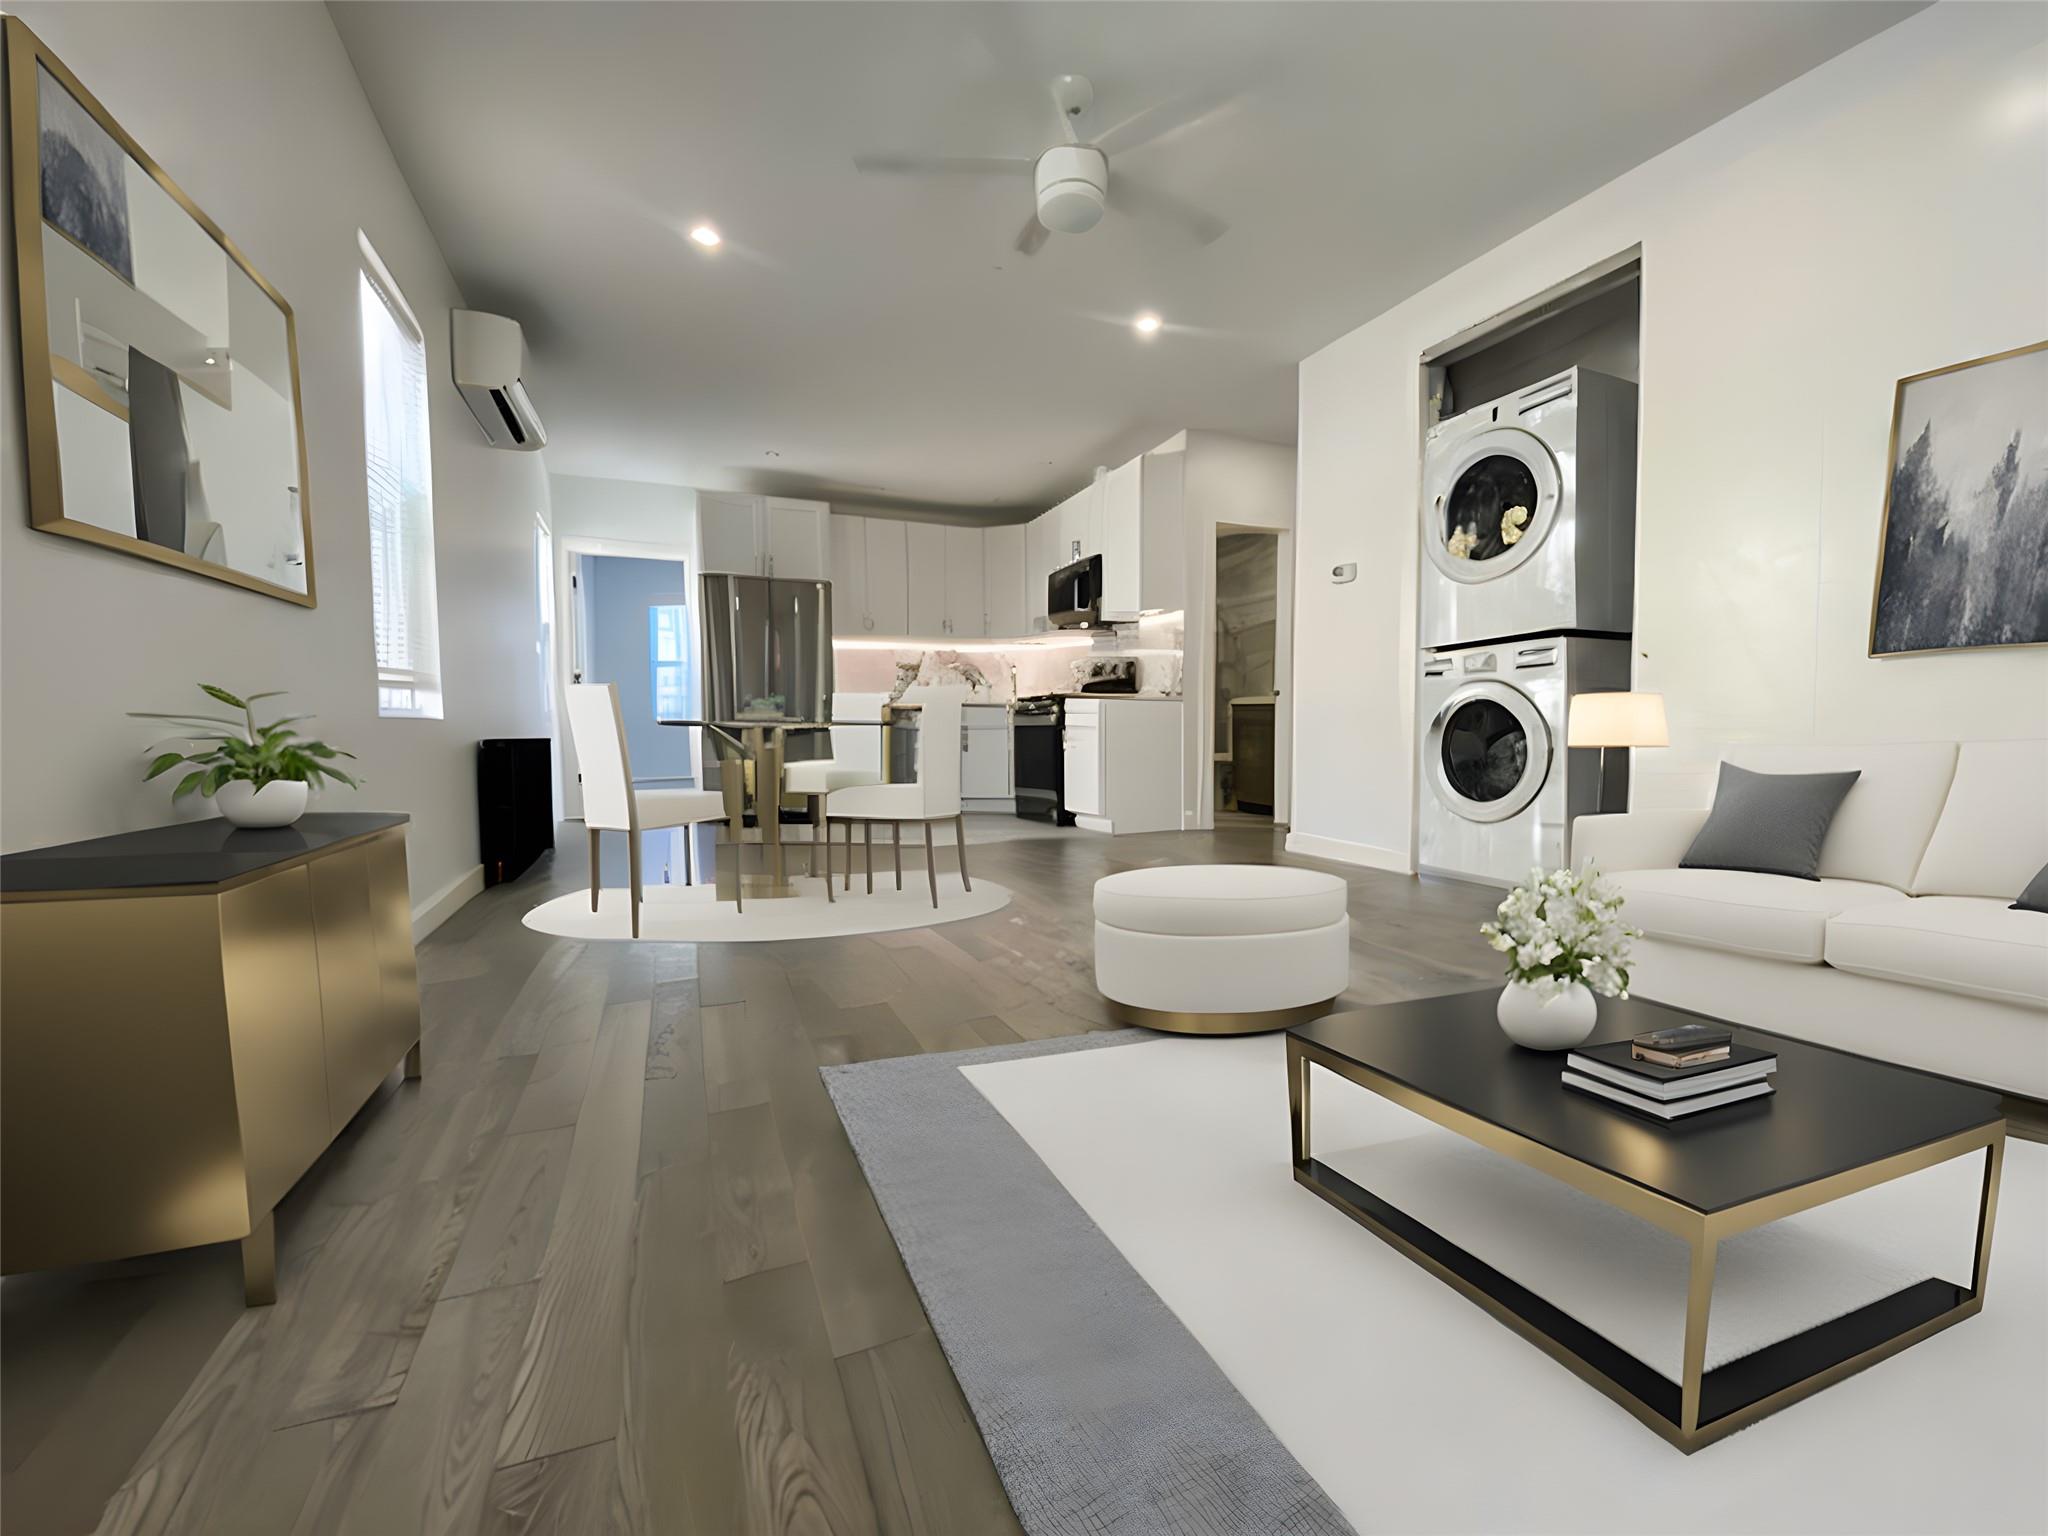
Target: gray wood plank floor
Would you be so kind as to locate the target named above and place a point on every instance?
(611, 1265)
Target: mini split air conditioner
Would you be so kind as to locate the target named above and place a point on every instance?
(488, 350)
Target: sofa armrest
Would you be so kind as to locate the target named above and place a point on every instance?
(1635, 840)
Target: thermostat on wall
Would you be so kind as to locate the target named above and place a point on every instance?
(1339, 574)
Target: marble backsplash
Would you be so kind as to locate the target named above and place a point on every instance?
(999, 672)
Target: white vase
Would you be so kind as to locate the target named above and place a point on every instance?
(1555, 1023)
(277, 804)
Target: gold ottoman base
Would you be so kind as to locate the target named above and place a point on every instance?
(1263, 1022)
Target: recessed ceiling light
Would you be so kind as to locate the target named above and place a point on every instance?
(1147, 324)
(706, 236)
(209, 360)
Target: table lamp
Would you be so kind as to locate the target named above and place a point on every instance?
(1606, 720)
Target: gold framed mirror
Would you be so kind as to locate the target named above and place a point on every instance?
(160, 372)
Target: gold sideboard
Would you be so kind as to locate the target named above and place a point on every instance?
(188, 1017)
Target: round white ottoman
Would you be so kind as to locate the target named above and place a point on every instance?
(1221, 949)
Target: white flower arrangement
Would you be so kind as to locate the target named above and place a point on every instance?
(1564, 928)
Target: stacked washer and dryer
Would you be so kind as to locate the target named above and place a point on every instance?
(1528, 598)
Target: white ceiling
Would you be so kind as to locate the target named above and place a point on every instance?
(877, 340)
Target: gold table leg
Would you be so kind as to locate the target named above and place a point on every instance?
(412, 1060)
(1699, 1297)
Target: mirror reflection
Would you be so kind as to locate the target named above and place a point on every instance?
(171, 365)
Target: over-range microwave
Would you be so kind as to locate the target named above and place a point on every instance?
(1073, 597)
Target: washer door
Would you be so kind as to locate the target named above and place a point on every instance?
(1488, 752)
(1467, 526)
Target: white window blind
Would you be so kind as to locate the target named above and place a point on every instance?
(401, 494)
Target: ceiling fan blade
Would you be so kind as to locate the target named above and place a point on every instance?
(1168, 117)
(1139, 201)
(1031, 237)
(941, 165)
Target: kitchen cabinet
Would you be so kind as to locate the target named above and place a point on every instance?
(1080, 527)
(966, 603)
(1122, 763)
(1143, 539)
(1005, 587)
(1041, 536)
(763, 536)
(849, 576)
(1081, 751)
(985, 753)
(888, 588)
(927, 549)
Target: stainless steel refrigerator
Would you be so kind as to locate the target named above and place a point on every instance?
(768, 656)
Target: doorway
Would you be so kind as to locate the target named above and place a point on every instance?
(1246, 672)
(630, 623)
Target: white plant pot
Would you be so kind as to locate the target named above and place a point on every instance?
(277, 804)
(1556, 1023)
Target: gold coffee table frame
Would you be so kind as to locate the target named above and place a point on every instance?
(1706, 1405)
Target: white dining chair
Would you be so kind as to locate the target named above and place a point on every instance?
(611, 801)
(856, 759)
(933, 796)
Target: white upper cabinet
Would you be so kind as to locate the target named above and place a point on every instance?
(927, 543)
(888, 589)
(849, 537)
(966, 609)
(763, 535)
(794, 538)
(1005, 581)
(725, 533)
(1121, 502)
(1041, 541)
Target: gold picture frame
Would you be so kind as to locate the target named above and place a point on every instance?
(1891, 467)
(43, 373)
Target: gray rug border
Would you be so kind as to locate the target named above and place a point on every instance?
(1103, 1414)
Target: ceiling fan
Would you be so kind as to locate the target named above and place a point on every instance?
(1072, 180)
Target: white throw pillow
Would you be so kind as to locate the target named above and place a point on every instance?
(1882, 828)
(1993, 834)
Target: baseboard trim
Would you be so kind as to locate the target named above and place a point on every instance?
(1343, 852)
(446, 902)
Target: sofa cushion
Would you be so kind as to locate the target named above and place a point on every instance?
(1773, 916)
(1883, 826)
(1220, 899)
(1970, 944)
(1768, 823)
(1993, 832)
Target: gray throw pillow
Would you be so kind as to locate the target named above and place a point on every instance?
(2035, 897)
(1769, 823)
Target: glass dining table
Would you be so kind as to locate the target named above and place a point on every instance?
(752, 752)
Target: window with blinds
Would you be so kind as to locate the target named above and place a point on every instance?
(401, 494)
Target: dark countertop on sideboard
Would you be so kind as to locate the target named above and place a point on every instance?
(187, 853)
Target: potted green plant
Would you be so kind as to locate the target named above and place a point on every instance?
(257, 774)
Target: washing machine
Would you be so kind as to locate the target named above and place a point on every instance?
(1499, 787)
(1563, 452)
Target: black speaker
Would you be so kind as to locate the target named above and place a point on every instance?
(515, 804)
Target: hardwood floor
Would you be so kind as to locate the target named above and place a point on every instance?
(611, 1264)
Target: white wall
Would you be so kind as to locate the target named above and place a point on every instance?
(1884, 214)
(256, 112)
(634, 511)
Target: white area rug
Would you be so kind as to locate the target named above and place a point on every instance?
(693, 914)
(1417, 1412)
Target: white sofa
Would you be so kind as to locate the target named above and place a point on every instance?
(1904, 949)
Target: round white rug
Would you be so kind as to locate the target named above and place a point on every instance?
(693, 914)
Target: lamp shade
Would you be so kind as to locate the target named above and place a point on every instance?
(1617, 720)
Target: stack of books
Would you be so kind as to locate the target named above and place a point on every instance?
(1672, 1073)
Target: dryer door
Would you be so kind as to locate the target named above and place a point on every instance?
(1470, 523)
(1488, 752)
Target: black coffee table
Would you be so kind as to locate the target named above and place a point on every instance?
(1837, 1124)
